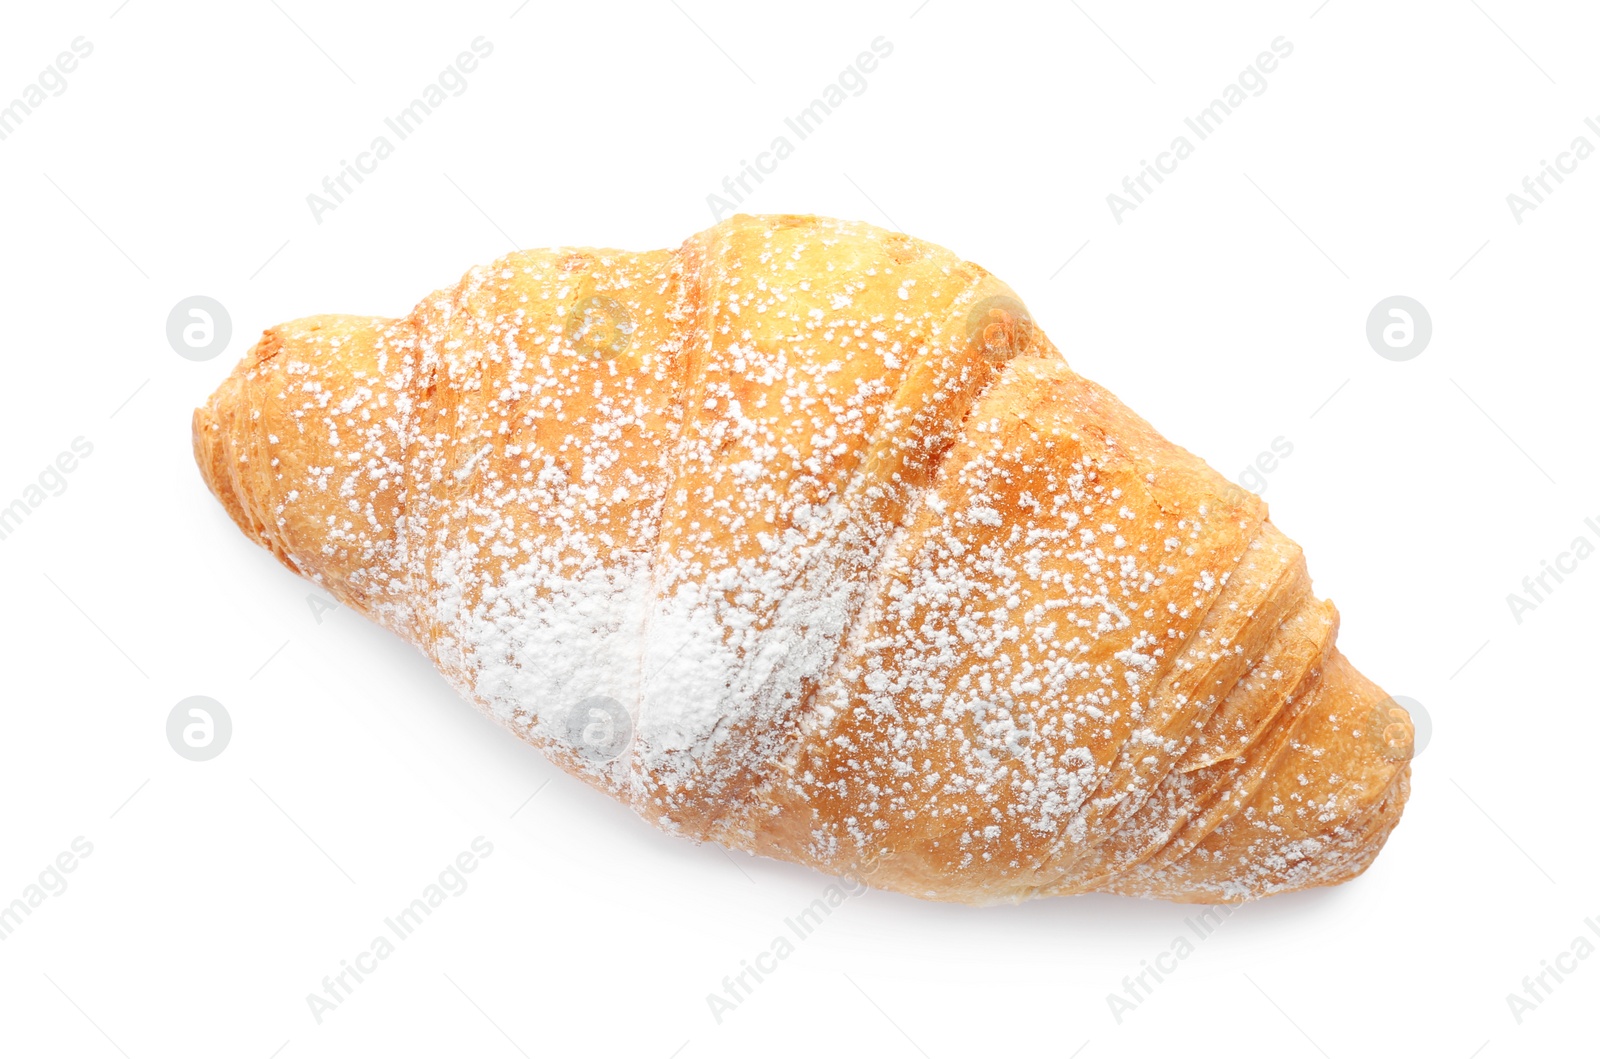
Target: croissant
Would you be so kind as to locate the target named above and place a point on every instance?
(803, 538)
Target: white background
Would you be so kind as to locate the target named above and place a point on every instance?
(1229, 309)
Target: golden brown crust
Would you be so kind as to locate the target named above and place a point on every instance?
(803, 538)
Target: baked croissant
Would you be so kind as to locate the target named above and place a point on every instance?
(803, 539)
